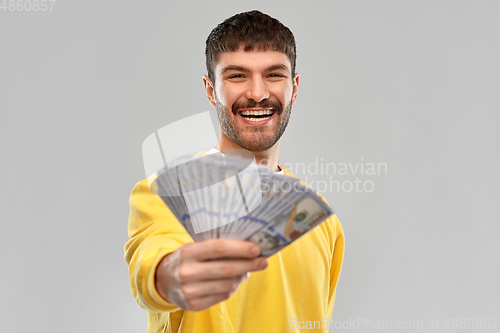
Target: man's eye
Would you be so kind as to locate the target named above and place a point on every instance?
(275, 75)
(235, 76)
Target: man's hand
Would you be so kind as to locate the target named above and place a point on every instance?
(192, 280)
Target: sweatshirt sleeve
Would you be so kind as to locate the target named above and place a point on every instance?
(153, 233)
(337, 260)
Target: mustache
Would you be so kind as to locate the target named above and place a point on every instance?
(265, 104)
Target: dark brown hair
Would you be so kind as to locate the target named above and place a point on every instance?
(255, 31)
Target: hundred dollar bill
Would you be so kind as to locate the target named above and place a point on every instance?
(304, 215)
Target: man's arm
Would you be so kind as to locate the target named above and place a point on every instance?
(163, 260)
(153, 233)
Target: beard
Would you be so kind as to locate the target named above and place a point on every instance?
(253, 138)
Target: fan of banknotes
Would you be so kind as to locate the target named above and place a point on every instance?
(230, 196)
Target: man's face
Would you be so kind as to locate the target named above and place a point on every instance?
(253, 93)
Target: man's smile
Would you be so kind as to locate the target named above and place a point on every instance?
(256, 116)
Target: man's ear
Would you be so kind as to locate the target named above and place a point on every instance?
(295, 87)
(209, 90)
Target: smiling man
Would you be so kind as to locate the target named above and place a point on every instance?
(260, 88)
(252, 83)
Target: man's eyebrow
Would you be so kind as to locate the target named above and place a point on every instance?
(233, 68)
(277, 67)
(243, 69)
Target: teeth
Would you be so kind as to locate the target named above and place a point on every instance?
(256, 113)
(258, 119)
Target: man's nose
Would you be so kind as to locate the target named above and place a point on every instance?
(257, 90)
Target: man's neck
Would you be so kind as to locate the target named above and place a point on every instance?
(267, 158)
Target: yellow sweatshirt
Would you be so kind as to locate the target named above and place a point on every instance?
(296, 292)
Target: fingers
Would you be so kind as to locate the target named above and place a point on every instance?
(205, 302)
(211, 287)
(222, 269)
(199, 298)
(220, 248)
(191, 279)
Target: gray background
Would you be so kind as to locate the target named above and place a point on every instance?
(414, 84)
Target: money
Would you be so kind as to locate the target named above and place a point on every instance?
(230, 196)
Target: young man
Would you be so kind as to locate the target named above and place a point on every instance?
(252, 83)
